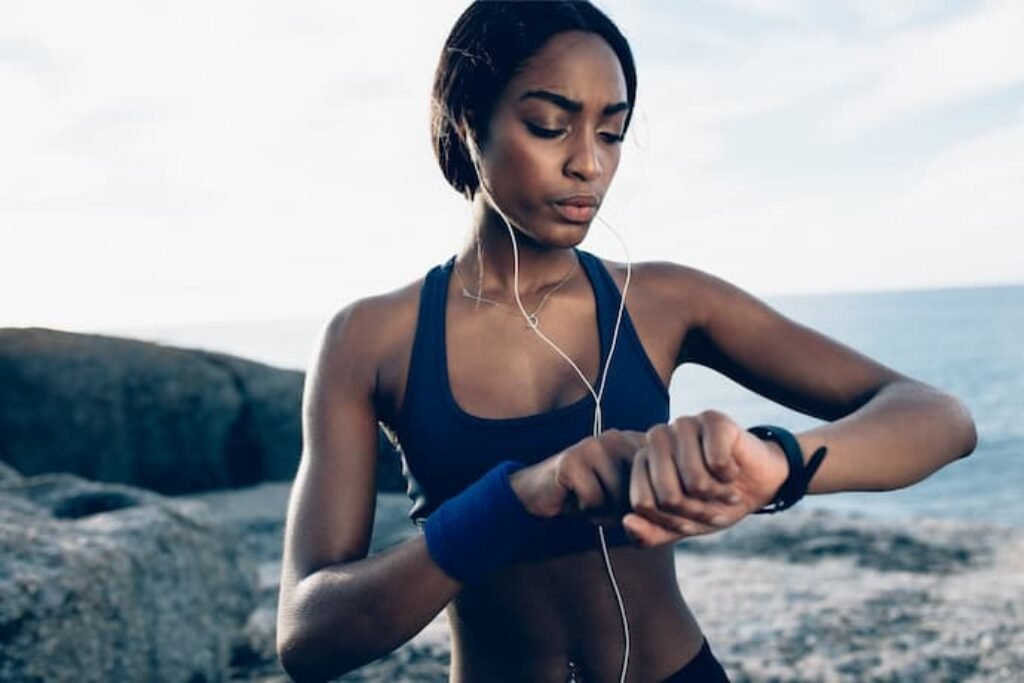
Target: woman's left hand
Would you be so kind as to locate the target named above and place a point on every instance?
(678, 478)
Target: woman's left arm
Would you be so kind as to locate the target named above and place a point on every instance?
(884, 430)
(906, 431)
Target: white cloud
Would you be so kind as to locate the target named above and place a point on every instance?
(236, 149)
(863, 77)
(251, 160)
(973, 189)
(937, 65)
(713, 210)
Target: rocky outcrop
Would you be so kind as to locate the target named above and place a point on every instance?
(805, 596)
(8, 473)
(820, 536)
(257, 515)
(166, 419)
(102, 582)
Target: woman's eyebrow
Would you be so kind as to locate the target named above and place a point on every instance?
(570, 105)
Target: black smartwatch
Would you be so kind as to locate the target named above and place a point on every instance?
(795, 486)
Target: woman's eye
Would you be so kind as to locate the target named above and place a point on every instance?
(611, 138)
(544, 132)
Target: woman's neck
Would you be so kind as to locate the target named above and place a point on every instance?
(540, 266)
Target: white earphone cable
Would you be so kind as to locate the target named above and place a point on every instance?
(598, 418)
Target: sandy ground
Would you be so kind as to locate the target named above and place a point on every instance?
(803, 596)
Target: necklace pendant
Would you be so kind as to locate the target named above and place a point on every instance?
(531, 322)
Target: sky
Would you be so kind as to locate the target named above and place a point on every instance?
(167, 163)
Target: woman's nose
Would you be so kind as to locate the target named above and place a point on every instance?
(583, 162)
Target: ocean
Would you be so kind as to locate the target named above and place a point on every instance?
(967, 341)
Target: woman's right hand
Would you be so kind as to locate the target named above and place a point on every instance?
(590, 477)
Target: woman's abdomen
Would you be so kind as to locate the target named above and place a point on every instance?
(528, 620)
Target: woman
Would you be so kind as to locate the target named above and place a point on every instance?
(544, 469)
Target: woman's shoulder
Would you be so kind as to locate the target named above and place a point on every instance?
(654, 271)
(368, 330)
(661, 284)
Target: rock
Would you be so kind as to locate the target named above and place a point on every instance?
(166, 419)
(821, 596)
(265, 442)
(102, 582)
(257, 515)
(8, 473)
(255, 646)
(809, 536)
(818, 611)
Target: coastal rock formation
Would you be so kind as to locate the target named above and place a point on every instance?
(862, 540)
(103, 582)
(8, 473)
(864, 600)
(808, 596)
(92, 575)
(166, 419)
(256, 514)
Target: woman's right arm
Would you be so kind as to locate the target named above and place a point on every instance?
(339, 609)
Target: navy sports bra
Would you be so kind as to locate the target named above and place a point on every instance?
(445, 449)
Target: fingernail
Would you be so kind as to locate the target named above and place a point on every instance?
(733, 498)
(717, 520)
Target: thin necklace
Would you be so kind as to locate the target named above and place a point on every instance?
(532, 320)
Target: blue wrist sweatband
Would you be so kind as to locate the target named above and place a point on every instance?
(480, 529)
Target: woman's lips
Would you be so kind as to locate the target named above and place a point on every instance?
(576, 214)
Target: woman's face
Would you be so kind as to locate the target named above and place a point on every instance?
(555, 138)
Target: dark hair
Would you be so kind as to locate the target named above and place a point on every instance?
(488, 45)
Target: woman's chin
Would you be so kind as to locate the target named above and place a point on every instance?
(563, 231)
(570, 235)
(557, 235)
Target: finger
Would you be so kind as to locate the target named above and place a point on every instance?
(708, 515)
(611, 474)
(701, 512)
(589, 495)
(621, 445)
(643, 501)
(641, 495)
(698, 482)
(718, 436)
(636, 440)
(575, 475)
(646, 533)
(661, 465)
